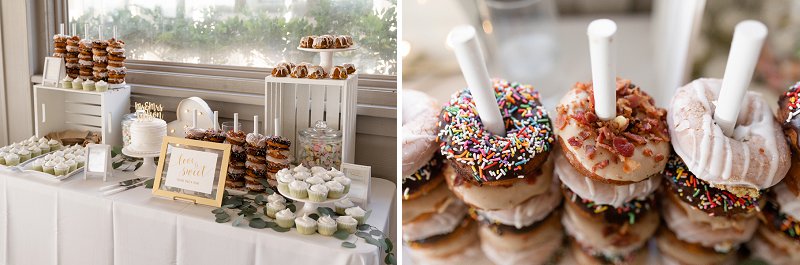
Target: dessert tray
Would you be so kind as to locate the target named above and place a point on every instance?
(309, 206)
(27, 167)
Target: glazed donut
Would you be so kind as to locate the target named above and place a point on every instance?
(498, 197)
(773, 247)
(537, 244)
(627, 149)
(338, 72)
(432, 203)
(300, 71)
(583, 255)
(528, 212)
(307, 41)
(482, 158)
(629, 212)
(471, 254)
(601, 192)
(437, 223)
(464, 235)
(676, 252)
(280, 71)
(756, 158)
(608, 239)
(420, 114)
(316, 72)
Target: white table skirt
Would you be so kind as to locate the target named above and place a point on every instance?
(70, 222)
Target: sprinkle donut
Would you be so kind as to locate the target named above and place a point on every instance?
(626, 149)
(483, 158)
(755, 158)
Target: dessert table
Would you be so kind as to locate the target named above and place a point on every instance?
(71, 222)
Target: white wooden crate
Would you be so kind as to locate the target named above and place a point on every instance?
(58, 109)
(299, 102)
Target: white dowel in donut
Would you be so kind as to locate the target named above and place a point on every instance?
(216, 120)
(748, 37)
(255, 124)
(604, 77)
(464, 41)
(236, 122)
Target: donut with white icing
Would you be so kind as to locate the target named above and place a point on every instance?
(626, 149)
(586, 256)
(755, 158)
(528, 212)
(420, 115)
(446, 245)
(676, 252)
(440, 222)
(536, 244)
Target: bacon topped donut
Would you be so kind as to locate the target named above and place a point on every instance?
(627, 149)
(481, 157)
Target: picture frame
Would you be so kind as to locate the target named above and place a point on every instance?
(361, 177)
(98, 161)
(192, 170)
(54, 71)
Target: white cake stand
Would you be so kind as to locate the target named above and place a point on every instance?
(148, 168)
(326, 55)
(309, 206)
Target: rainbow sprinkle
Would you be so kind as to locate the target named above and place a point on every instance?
(699, 193)
(780, 221)
(491, 157)
(793, 97)
(629, 210)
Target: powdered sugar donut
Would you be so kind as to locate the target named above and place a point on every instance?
(601, 192)
(755, 158)
(420, 114)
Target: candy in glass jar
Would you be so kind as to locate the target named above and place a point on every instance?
(126, 128)
(320, 146)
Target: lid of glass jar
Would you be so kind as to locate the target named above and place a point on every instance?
(321, 131)
(129, 116)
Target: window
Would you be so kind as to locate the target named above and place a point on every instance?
(256, 33)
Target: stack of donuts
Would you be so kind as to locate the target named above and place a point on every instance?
(256, 164)
(436, 224)
(236, 166)
(72, 65)
(777, 240)
(277, 157)
(714, 184)
(507, 180)
(85, 59)
(100, 60)
(116, 61)
(60, 45)
(610, 171)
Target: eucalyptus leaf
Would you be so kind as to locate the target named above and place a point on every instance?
(218, 210)
(222, 215)
(280, 229)
(224, 219)
(326, 211)
(227, 206)
(237, 221)
(225, 193)
(149, 183)
(341, 235)
(363, 227)
(389, 245)
(258, 223)
(348, 245)
(314, 216)
(292, 207)
(259, 199)
(377, 233)
(268, 190)
(363, 235)
(373, 241)
(390, 259)
(264, 182)
(272, 224)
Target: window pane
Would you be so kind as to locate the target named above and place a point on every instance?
(257, 33)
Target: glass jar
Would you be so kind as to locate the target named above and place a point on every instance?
(320, 146)
(127, 119)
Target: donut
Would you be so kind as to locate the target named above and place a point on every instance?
(527, 213)
(683, 184)
(351, 69)
(499, 197)
(339, 72)
(627, 149)
(756, 158)
(299, 71)
(788, 110)
(482, 158)
(444, 220)
(778, 221)
(425, 206)
(316, 72)
(600, 192)
(535, 244)
(628, 213)
(605, 238)
(674, 251)
(443, 245)
(307, 41)
(420, 115)
(423, 180)
(586, 256)
(773, 247)
(280, 71)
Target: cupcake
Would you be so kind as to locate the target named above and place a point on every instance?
(276, 198)
(274, 207)
(346, 223)
(335, 189)
(357, 213)
(101, 86)
(283, 183)
(326, 225)
(69, 156)
(35, 151)
(72, 165)
(66, 82)
(301, 168)
(343, 205)
(88, 85)
(284, 218)
(49, 167)
(301, 175)
(24, 155)
(55, 145)
(345, 181)
(77, 83)
(335, 173)
(38, 165)
(298, 189)
(12, 159)
(318, 193)
(81, 160)
(315, 180)
(44, 147)
(317, 169)
(61, 169)
(306, 225)
(324, 176)
(3, 155)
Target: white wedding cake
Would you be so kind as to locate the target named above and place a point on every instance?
(147, 134)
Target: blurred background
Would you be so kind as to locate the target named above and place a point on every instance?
(543, 42)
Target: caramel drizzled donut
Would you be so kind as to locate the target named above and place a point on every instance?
(339, 72)
(280, 71)
(316, 72)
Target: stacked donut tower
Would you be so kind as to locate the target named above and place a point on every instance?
(256, 164)
(236, 166)
(85, 57)
(497, 138)
(100, 59)
(278, 156)
(116, 61)
(72, 56)
(614, 144)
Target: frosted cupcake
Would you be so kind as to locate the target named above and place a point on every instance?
(343, 205)
(67, 82)
(24, 155)
(81, 160)
(301, 168)
(12, 159)
(55, 145)
(49, 167)
(72, 165)
(101, 86)
(44, 147)
(298, 189)
(284, 218)
(275, 207)
(347, 224)
(276, 198)
(38, 165)
(335, 189)
(305, 225)
(317, 169)
(61, 169)
(301, 175)
(318, 193)
(77, 83)
(357, 213)
(69, 156)
(335, 173)
(315, 180)
(326, 225)
(88, 85)
(3, 157)
(35, 151)
(283, 183)
(345, 181)
(324, 176)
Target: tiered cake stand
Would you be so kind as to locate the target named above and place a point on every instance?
(326, 55)
(148, 168)
(309, 206)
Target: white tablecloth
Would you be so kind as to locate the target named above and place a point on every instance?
(70, 222)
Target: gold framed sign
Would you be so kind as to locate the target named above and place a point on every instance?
(192, 170)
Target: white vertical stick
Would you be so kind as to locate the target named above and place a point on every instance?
(748, 37)
(194, 119)
(100, 31)
(604, 66)
(236, 122)
(255, 124)
(115, 32)
(216, 120)
(61, 29)
(86, 30)
(277, 127)
(464, 41)
(678, 26)
(74, 29)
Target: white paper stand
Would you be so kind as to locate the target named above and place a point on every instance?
(54, 71)
(98, 161)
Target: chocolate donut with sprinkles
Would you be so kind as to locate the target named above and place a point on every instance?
(789, 115)
(629, 213)
(700, 195)
(423, 180)
(483, 158)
